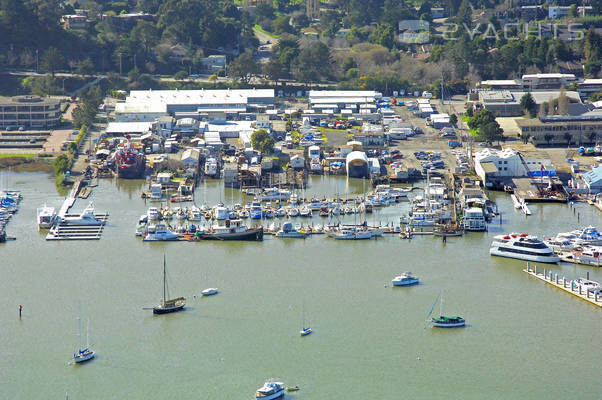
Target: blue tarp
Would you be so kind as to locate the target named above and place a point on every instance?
(538, 173)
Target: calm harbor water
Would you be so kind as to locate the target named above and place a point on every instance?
(525, 339)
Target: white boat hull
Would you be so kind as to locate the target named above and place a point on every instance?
(408, 282)
(275, 395)
(552, 258)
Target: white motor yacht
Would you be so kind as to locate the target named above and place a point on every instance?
(160, 232)
(194, 214)
(270, 390)
(522, 247)
(585, 236)
(405, 279)
(305, 212)
(46, 217)
(274, 194)
(87, 217)
(209, 292)
(351, 234)
(588, 286)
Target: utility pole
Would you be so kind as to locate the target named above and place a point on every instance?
(135, 61)
(37, 62)
(120, 70)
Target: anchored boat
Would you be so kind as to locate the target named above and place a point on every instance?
(168, 305)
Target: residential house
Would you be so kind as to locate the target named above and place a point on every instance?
(212, 64)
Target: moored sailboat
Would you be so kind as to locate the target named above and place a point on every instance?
(168, 305)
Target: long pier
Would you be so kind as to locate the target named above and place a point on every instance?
(566, 285)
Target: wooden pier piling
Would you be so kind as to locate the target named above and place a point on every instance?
(568, 286)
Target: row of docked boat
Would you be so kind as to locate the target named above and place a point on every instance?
(9, 205)
(582, 246)
(228, 229)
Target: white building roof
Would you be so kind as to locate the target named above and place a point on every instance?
(344, 93)
(129, 127)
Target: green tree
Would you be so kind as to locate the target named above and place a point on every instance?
(85, 67)
(52, 60)
(244, 67)
(180, 75)
(453, 119)
(491, 132)
(528, 104)
(384, 34)
(262, 141)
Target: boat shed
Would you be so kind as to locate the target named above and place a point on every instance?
(190, 158)
(593, 180)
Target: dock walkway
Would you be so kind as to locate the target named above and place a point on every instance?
(566, 285)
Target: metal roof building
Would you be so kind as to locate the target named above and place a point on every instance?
(142, 104)
(593, 179)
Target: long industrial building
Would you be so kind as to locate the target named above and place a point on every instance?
(149, 105)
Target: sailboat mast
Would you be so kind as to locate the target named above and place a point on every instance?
(441, 306)
(79, 329)
(88, 335)
(164, 280)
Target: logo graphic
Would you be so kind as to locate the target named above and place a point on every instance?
(414, 31)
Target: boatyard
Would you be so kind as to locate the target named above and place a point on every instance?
(309, 244)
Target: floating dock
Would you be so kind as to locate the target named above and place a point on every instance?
(568, 286)
(78, 232)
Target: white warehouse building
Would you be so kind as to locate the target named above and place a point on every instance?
(149, 105)
(494, 167)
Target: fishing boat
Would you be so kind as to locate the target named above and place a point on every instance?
(160, 232)
(324, 211)
(130, 162)
(83, 354)
(405, 279)
(46, 217)
(444, 321)
(231, 229)
(522, 247)
(289, 231)
(243, 214)
(171, 305)
(270, 390)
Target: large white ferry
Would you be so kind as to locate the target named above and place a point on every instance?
(523, 247)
